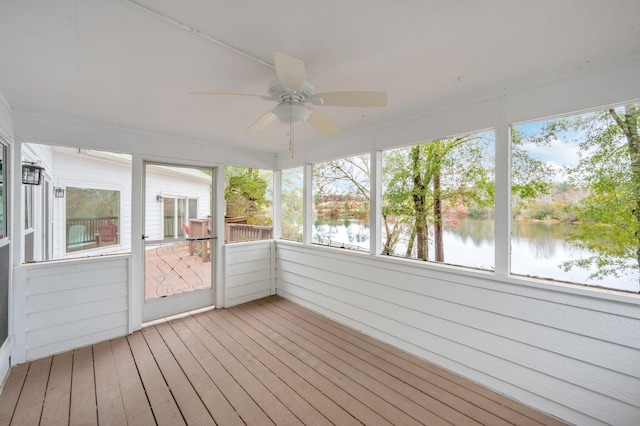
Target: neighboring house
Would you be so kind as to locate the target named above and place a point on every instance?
(83, 205)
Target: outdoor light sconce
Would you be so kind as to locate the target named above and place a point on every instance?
(58, 192)
(159, 198)
(31, 174)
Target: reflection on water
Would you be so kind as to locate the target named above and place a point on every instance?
(545, 238)
(537, 248)
(348, 233)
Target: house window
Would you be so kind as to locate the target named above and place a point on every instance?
(291, 206)
(437, 201)
(575, 198)
(82, 208)
(341, 203)
(177, 212)
(248, 197)
(93, 218)
(28, 206)
(3, 185)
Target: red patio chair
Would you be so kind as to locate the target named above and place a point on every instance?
(107, 233)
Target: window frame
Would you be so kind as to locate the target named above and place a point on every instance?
(371, 246)
(63, 225)
(508, 253)
(5, 181)
(189, 213)
(233, 230)
(302, 203)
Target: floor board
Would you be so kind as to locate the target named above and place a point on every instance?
(58, 395)
(265, 362)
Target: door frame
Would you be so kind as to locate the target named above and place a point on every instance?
(195, 299)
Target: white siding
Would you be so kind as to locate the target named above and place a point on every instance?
(249, 271)
(568, 351)
(172, 185)
(86, 171)
(69, 304)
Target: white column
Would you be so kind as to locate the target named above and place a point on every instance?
(375, 203)
(307, 200)
(277, 204)
(136, 273)
(503, 198)
(218, 243)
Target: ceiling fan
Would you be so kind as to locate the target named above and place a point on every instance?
(293, 95)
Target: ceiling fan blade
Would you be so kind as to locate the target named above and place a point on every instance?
(351, 99)
(290, 71)
(231, 95)
(322, 123)
(261, 122)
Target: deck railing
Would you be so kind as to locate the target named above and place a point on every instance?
(238, 232)
(82, 231)
(85, 233)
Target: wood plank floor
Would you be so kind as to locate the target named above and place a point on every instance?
(264, 362)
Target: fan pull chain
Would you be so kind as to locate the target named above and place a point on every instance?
(290, 132)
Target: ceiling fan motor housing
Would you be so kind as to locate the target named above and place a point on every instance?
(291, 108)
(288, 95)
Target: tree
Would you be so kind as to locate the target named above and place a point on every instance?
(343, 185)
(245, 192)
(609, 169)
(428, 183)
(291, 206)
(530, 177)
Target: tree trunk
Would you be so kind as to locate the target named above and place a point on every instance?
(412, 239)
(437, 204)
(390, 236)
(419, 203)
(437, 213)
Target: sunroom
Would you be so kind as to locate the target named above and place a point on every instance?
(457, 180)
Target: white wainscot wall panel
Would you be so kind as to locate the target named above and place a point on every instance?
(565, 350)
(249, 271)
(70, 304)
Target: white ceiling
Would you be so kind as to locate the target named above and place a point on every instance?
(114, 62)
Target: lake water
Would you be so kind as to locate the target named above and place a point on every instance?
(537, 249)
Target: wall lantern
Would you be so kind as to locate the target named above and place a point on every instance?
(31, 174)
(58, 192)
(159, 198)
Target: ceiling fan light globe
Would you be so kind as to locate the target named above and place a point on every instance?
(291, 113)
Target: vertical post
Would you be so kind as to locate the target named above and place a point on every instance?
(219, 234)
(18, 276)
(503, 198)
(136, 270)
(307, 200)
(277, 204)
(17, 202)
(375, 203)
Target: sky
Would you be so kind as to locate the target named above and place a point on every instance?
(560, 152)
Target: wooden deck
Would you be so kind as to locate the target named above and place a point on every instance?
(264, 362)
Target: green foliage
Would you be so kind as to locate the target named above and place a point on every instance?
(291, 206)
(91, 203)
(530, 177)
(245, 192)
(430, 183)
(609, 172)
